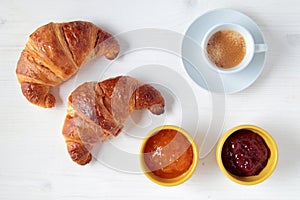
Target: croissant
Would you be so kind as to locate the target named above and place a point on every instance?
(97, 111)
(55, 52)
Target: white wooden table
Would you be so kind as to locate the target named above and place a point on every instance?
(34, 163)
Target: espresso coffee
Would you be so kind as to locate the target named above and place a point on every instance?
(226, 48)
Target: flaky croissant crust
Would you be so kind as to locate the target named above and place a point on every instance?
(55, 52)
(97, 111)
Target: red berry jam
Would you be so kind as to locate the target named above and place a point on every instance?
(245, 153)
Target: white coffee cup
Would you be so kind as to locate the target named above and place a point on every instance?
(251, 47)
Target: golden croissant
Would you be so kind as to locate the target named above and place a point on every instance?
(55, 52)
(98, 110)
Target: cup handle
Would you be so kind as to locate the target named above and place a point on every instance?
(260, 48)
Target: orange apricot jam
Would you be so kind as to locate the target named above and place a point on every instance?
(168, 153)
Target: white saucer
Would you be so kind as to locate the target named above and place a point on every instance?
(194, 62)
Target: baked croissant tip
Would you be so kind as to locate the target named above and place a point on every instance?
(157, 109)
(112, 55)
(50, 101)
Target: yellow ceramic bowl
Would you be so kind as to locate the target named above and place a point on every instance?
(269, 168)
(171, 181)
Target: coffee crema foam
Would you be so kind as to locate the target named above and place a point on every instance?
(226, 48)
